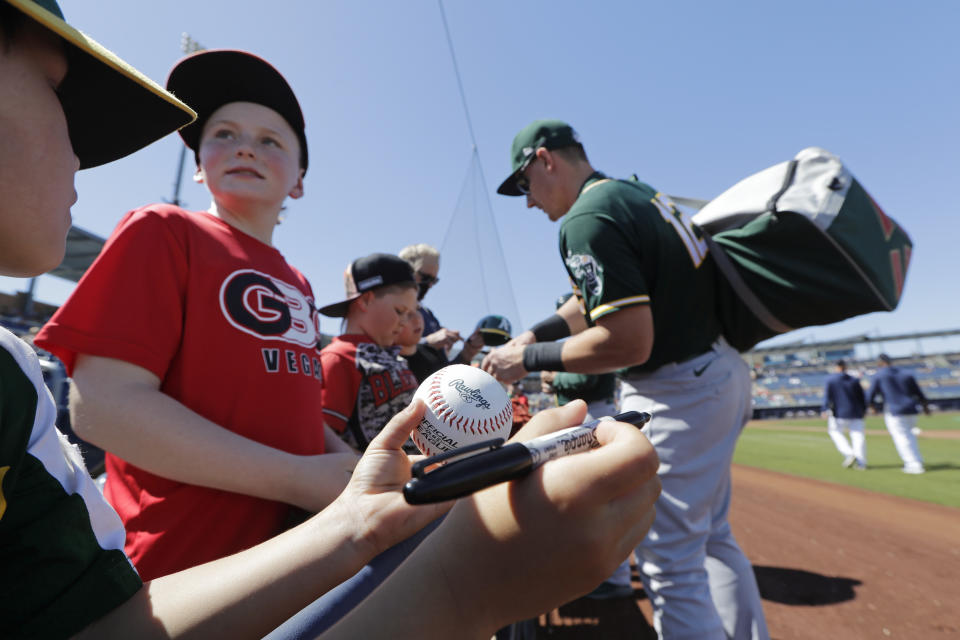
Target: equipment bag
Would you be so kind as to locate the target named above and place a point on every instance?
(800, 244)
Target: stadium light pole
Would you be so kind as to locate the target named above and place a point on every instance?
(187, 45)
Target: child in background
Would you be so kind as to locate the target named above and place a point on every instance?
(192, 342)
(422, 359)
(365, 380)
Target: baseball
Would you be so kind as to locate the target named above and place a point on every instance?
(465, 405)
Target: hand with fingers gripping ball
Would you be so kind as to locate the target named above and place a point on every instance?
(519, 548)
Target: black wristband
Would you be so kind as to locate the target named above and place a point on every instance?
(553, 328)
(543, 356)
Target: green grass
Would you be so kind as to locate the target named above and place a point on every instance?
(932, 422)
(812, 455)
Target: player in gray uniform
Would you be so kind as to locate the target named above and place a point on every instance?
(644, 304)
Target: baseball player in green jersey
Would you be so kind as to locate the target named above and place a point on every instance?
(644, 305)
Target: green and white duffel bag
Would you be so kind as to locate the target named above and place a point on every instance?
(800, 244)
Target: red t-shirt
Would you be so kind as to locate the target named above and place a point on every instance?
(231, 331)
(365, 385)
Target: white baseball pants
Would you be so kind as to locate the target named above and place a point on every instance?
(599, 409)
(699, 581)
(901, 430)
(857, 446)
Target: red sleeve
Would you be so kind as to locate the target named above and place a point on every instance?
(129, 303)
(341, 383)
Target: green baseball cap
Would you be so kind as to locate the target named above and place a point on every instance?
(111, 108)
(495, 330)
(549, 134)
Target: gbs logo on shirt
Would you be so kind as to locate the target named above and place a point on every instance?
(268, 308)
(586, 270)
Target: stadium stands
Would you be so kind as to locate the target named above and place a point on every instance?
(789, 390)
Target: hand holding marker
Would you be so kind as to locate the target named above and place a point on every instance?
(475, 467)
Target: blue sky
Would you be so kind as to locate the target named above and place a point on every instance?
(692, 96)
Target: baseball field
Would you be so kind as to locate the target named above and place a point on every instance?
(837, 553)
(801, 447)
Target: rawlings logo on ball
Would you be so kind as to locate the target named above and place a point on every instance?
(470, 395)
(465, 405)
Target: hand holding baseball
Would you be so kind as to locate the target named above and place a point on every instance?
(519, 548)
(598, 504)
(373, 500)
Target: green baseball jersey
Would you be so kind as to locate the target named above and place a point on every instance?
(61, 544)
(587, 387)
(625, 244)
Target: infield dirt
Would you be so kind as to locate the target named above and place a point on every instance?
(831, 562)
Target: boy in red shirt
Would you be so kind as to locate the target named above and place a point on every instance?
(192, 342)
(366, 381)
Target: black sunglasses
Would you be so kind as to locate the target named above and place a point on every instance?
(522, 181)
(428, 279)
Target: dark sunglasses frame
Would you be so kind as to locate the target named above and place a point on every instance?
(427, 278)
(522, 181)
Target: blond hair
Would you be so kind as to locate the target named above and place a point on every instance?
(415, 254)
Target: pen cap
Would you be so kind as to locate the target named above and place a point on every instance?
(636, 418)
(463, 477)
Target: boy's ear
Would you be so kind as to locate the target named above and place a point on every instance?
(364, 300)
(297, 190)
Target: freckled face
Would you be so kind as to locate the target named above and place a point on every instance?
(387, 316)
(37, 163)
(249, 155)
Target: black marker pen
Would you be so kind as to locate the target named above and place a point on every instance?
(499, 463)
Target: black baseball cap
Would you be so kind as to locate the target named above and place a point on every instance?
(367, 273)
(111, 108)
(212, 78)
(549, 134)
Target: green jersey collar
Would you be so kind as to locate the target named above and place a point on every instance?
(591, 179)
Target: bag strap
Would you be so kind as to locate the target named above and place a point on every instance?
(740, 287)
(729, 271)
(726, 267)
(787, 181)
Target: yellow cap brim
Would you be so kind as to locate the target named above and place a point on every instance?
(111, 108)
(494, 337)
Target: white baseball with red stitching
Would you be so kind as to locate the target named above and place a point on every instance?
(465, 405)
